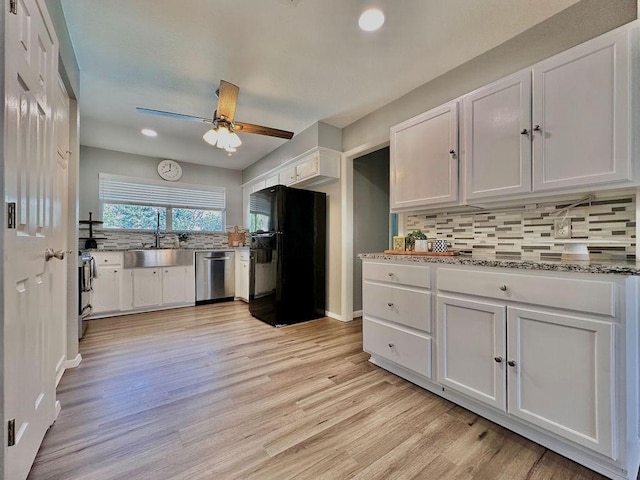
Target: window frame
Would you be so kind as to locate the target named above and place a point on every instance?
(167, 206)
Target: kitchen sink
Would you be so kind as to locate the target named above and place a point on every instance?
(164, 257)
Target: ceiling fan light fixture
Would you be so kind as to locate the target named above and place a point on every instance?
(211, 137)
(234, 140)
(371, 19)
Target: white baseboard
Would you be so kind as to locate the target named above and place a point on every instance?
(58, 408)
(357, 314)
(74, 362)
(334, 316)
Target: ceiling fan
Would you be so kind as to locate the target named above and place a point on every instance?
(223, 133)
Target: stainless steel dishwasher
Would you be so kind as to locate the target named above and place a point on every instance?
(215, 276)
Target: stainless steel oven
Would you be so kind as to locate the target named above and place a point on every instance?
(86, 274)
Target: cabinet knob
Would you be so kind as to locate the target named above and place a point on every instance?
(391, 345)
(452, 152)
(498, 359)
(503, 288)
(390, 274)
(537, 128)
(524, 131)
(390, 304)
(511, 363)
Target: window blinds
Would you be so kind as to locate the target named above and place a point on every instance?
(137, 191)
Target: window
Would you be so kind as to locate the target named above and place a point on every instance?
(135, 204)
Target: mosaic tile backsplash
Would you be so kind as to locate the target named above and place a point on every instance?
(119, 240)
(524, 232)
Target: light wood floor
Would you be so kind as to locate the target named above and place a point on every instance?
(212, 393)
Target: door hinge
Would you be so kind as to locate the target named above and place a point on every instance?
(13, 6)
(11, 437)
(11, 215)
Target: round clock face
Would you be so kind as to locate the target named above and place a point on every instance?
(169, 170)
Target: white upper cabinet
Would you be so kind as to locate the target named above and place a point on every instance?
(496, 142)
(424, 160)
(581, 115)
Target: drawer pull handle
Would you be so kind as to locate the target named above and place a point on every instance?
(391, 345)
(503, 288)
(511, 363)
(498, 359)
(390, 304)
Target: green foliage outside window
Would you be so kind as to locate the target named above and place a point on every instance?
(144, 217)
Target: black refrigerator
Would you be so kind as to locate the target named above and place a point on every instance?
(288, 255)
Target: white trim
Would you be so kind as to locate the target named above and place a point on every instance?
(73, 363)
(58, 409)
(335, 316)
(346, 183)
(357, 313)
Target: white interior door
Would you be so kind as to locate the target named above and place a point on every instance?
(59, 232)
(30, 64)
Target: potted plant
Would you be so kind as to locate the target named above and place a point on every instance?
(417, 241)
(182, 238)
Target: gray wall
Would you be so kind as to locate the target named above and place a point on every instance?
(370, 211)
(318, 134)
(578, 23)
(96, 160)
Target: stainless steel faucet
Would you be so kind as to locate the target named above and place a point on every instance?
(156, 233)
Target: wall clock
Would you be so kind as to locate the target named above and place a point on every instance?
(170, 170)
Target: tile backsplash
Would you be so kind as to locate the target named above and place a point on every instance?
(123, 240)
(524, 232)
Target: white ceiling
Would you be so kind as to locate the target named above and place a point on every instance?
(296, 63)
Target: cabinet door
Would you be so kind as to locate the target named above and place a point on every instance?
(173, 285)
(106, 289)
(288, 176)
(423, 171)
(271, 181)
(307, 167)
(471, 349)
(147, 287)
(242, 280)
(561, 375)
(580, 115)
(496, 138)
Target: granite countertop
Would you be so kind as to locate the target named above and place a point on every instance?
(620, 267)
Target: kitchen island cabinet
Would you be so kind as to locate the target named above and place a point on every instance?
(547, 353)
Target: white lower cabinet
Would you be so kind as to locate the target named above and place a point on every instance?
(550, 355)
(178, 285)
(561, 375)
(117, 290)
(407, 348)
(106, 289)
(472, 349)
(147, 287)
(552, 370)
(242, 275)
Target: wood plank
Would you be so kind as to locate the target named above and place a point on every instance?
(210, 392)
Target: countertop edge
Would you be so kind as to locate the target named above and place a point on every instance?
(600, 267)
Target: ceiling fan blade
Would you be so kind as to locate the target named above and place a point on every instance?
(260, 130)
(180, 116)
(227, 99)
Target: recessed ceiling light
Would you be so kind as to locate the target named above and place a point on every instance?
(148, 132)
(371, 19)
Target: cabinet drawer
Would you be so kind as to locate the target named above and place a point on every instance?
(401, 305)
(411, 350)
(589, 296)
(413, 275)
(108, 258)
